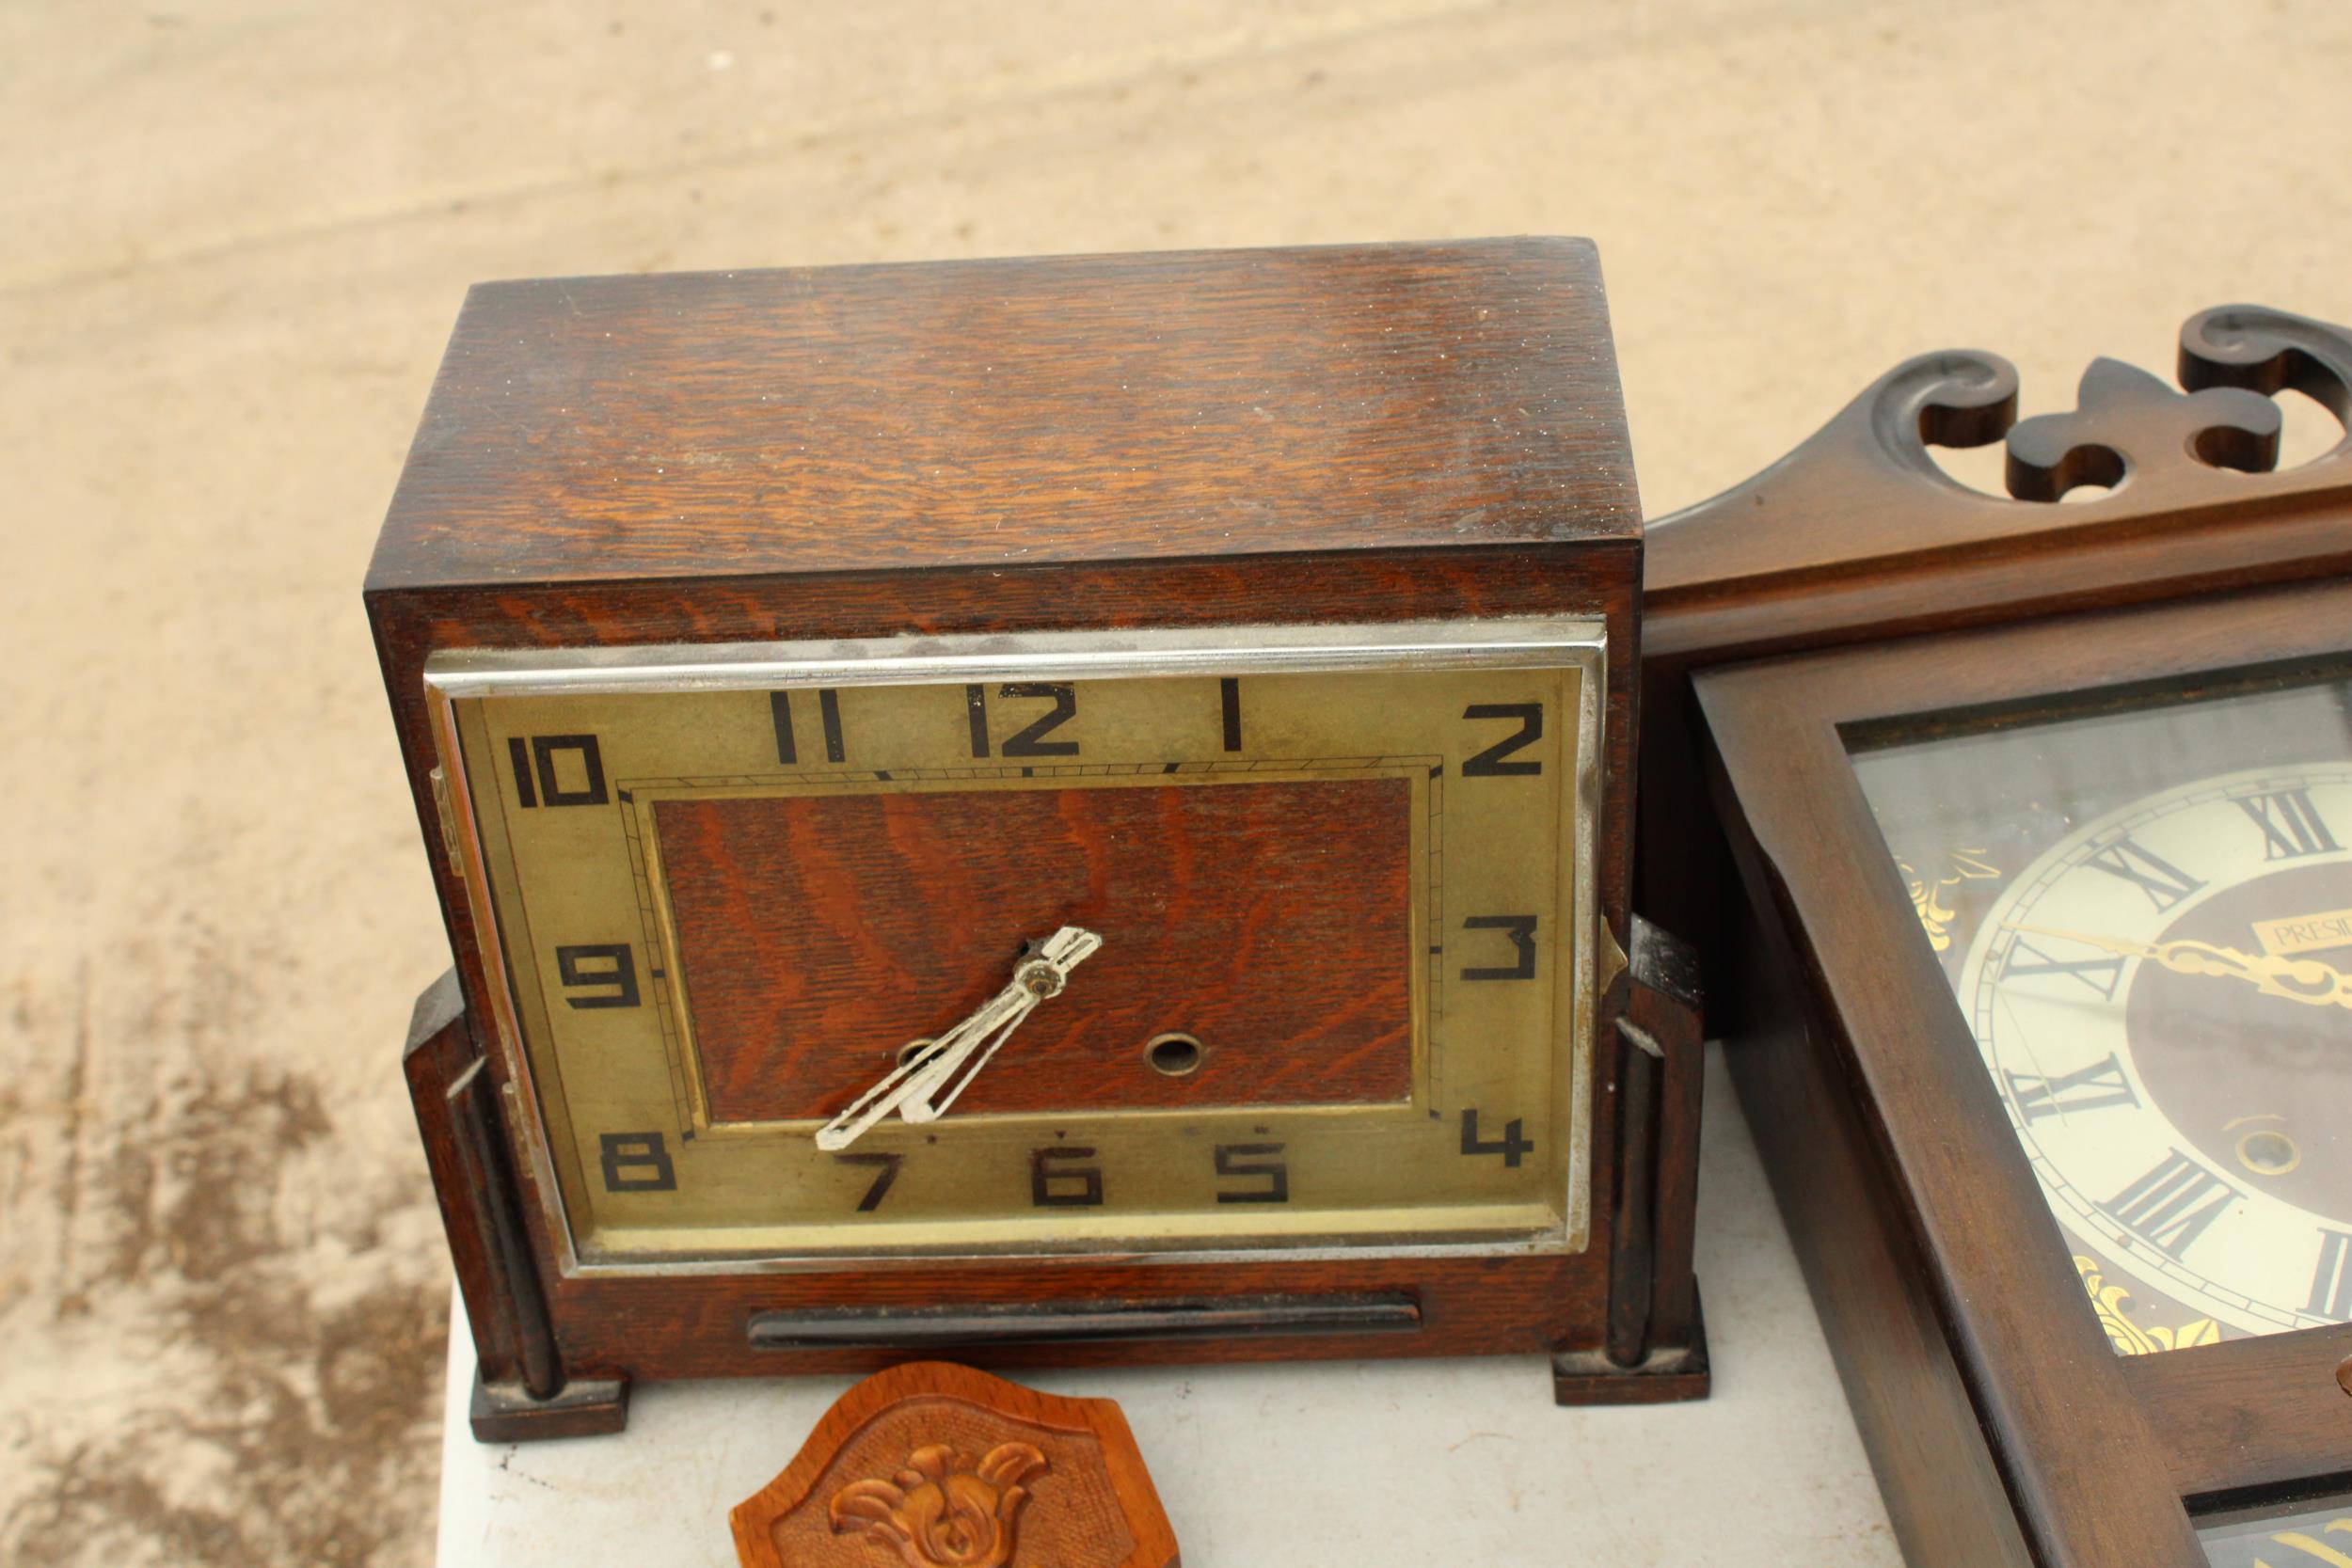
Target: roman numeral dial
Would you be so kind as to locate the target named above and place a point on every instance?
(2099, 1087)
(2165, 884)
(2174, 1204)
(2291, 825)
(2099, 973)
(2161, 993)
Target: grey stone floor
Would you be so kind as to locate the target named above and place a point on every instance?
(232, 236)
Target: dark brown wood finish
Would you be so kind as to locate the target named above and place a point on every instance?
(1007, 413)
(1346, 436)
(520, 1387)
(1657, 1332)
(1945, 1495)
(2002, 1425)
(1271, 912)
(2251, 1415)
(514, 1344)
(1858, 534)
(1664, 1025)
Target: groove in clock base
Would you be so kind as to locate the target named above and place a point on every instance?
(1072, 1322)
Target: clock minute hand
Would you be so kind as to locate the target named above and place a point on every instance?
(913, 1089)
(1040, 975)
(2305, 980)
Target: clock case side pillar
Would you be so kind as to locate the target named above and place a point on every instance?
(520, 1390)
(1655, 1348)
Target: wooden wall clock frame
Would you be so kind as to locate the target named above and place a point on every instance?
(1352, 436)
(2002, 1425)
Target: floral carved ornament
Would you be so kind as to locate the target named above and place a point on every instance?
(940, 1514)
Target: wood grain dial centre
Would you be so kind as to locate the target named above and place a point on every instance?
(1271, 921)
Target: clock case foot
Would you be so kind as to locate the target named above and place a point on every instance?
(585, 1408)
(522, 1389)
(1665, 1374)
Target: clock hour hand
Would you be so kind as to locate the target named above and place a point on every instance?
(2304, 980)
(913, 1089)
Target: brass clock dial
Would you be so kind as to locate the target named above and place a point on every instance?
(2147, 920)
(1339, 884)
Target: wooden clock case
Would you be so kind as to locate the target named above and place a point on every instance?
(1348, 436)
(2002, 1425)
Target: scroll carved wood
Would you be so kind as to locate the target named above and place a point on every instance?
(1849, 521)
(1869, 487)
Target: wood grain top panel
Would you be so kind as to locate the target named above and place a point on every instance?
(1016, 412)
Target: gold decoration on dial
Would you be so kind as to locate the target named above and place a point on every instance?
(2158, 996)
(1926, 895)
(2128, 1338)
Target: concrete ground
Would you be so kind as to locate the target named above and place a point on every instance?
(233, 235)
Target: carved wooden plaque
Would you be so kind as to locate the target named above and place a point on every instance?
(935, 1466)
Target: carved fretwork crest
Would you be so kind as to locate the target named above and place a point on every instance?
(2121, 411)
(1867, 487)
(2126, 422)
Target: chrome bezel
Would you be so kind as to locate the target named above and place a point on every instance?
(454, 676)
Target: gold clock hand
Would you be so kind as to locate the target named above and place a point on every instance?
(911, 1087)
(2293, 979)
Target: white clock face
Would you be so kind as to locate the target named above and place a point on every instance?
(2148, 994)
(2145, 909)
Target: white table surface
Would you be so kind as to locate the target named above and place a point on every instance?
(1366, 1463)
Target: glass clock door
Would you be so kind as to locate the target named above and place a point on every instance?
(2145, 909)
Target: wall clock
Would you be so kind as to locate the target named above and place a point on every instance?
(2043, 815)
(1063, 810)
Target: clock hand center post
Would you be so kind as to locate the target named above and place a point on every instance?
(914, 1088)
